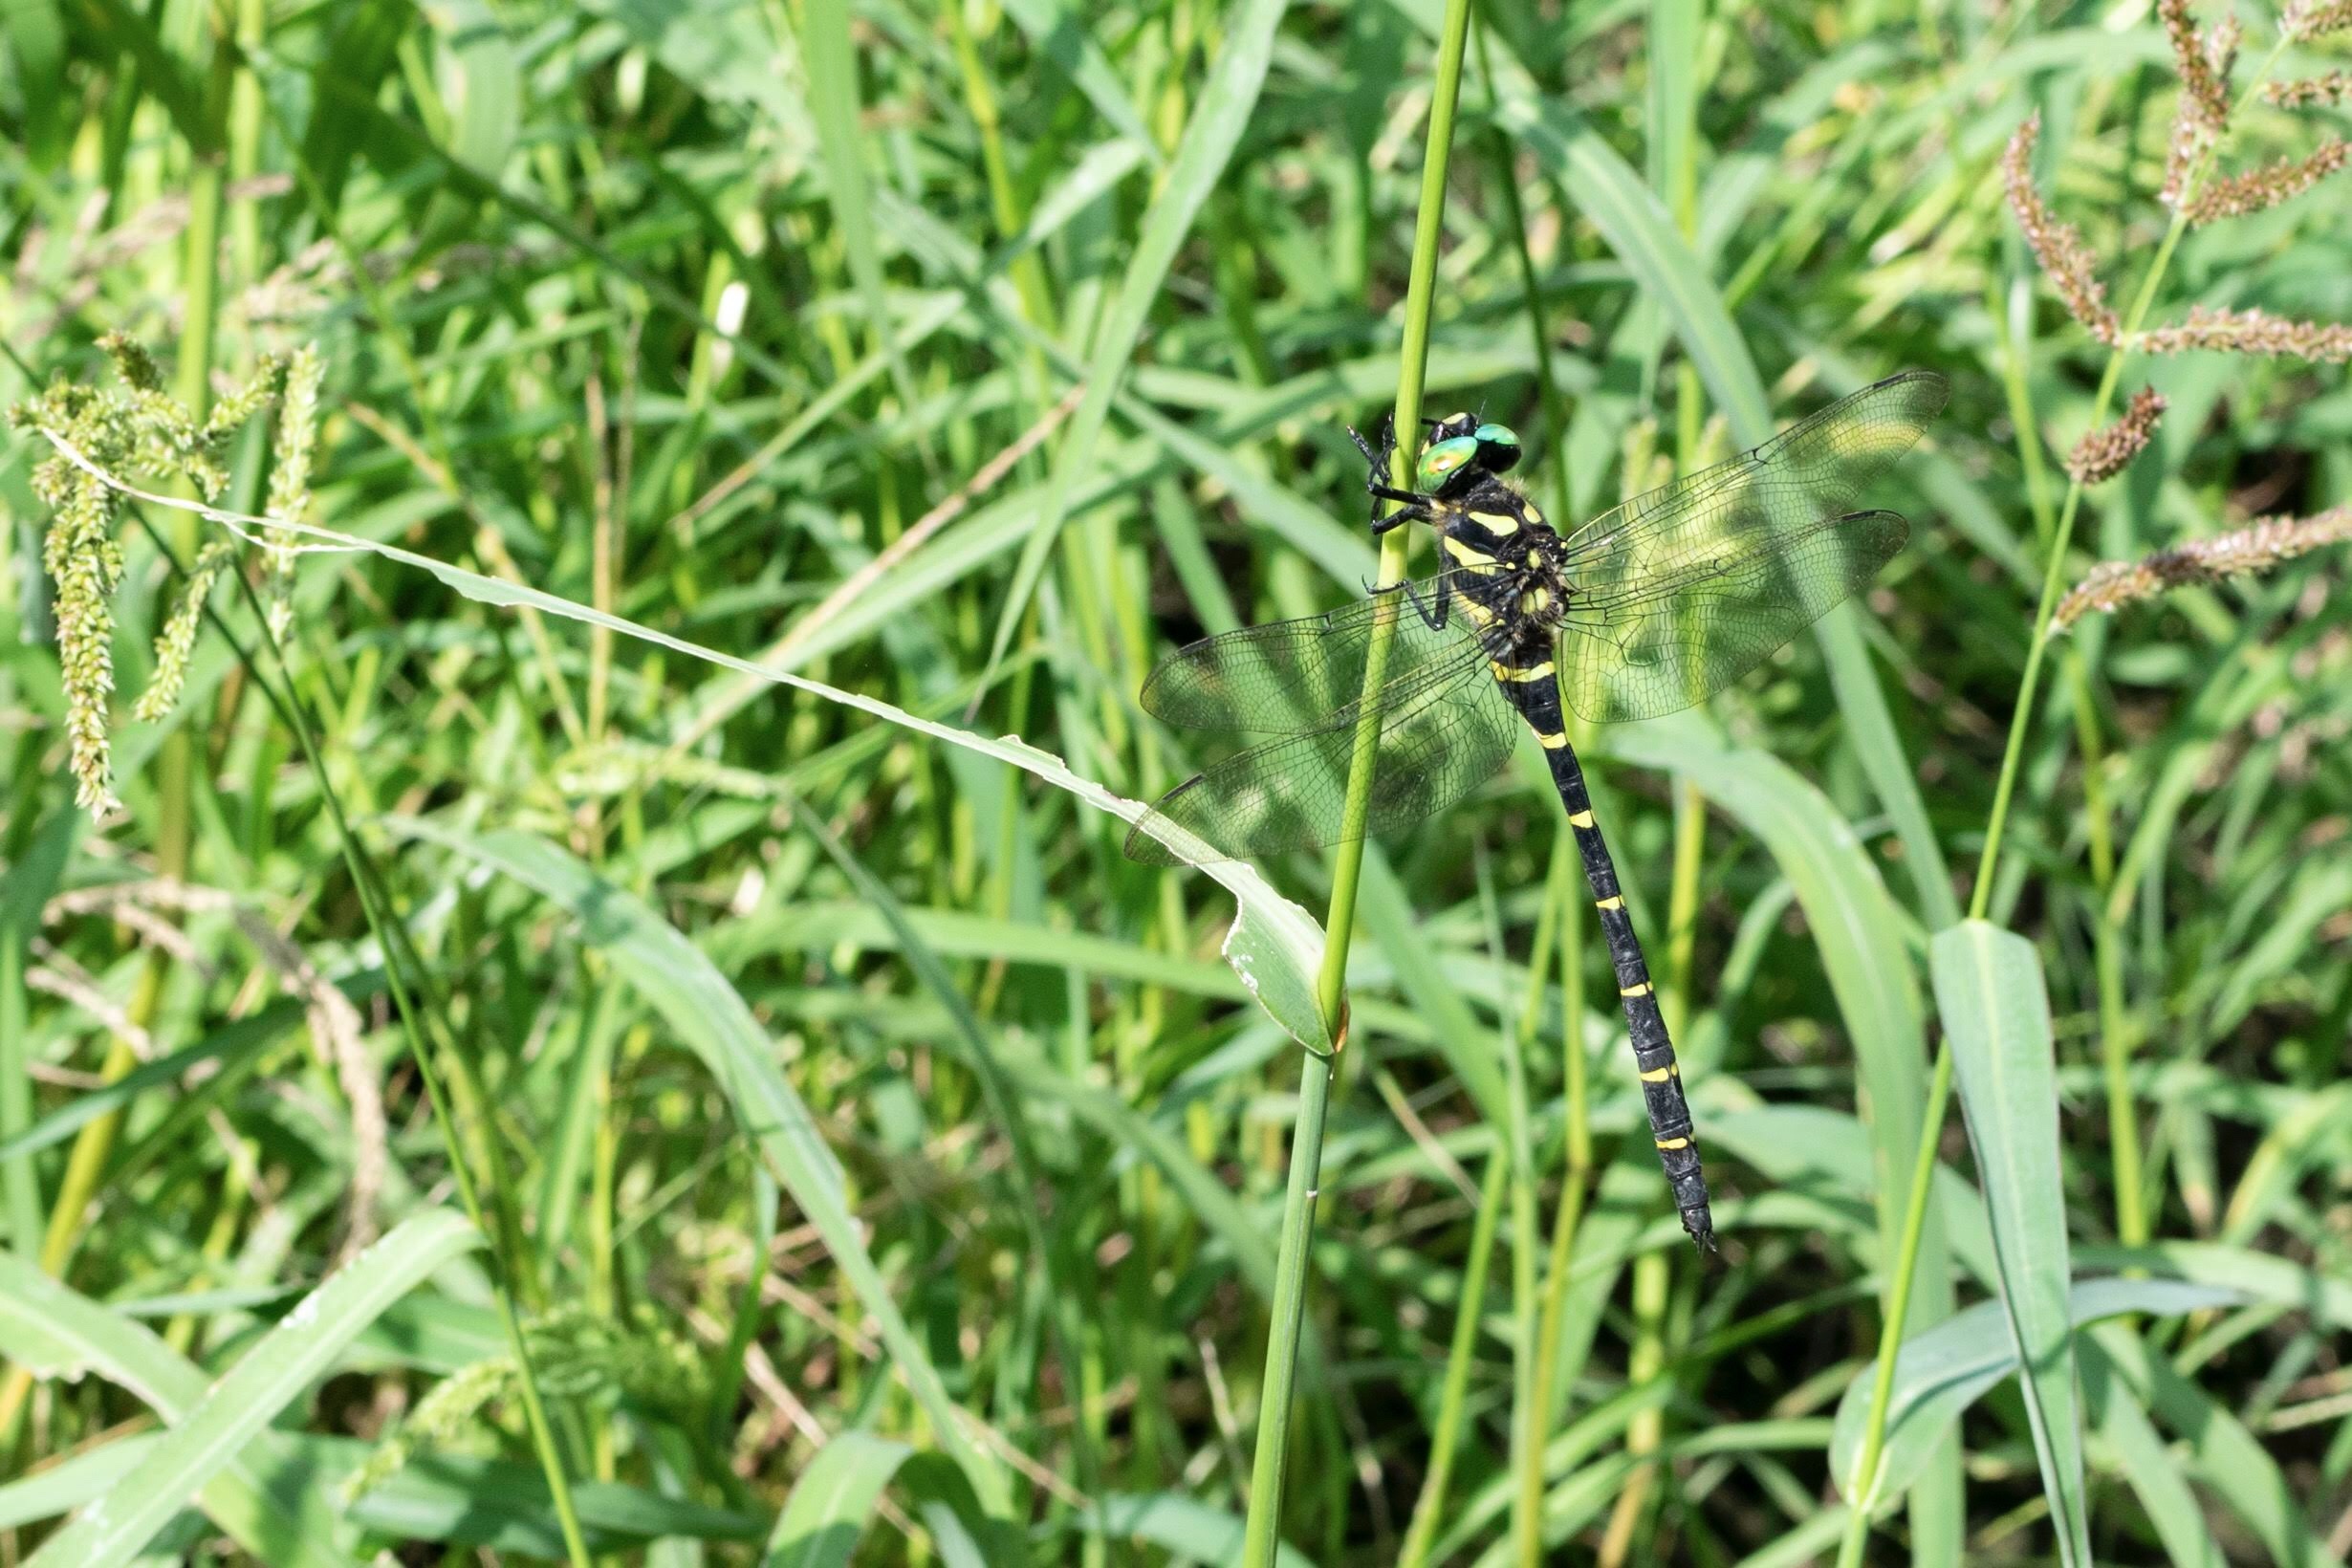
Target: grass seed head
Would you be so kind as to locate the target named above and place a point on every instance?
(2257, 547)
(2311, 18)
(2240, 194)
(2252, 332)
(2310, 92)
(2106, 452)
(2057, 243)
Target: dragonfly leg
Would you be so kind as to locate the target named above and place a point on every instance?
(1434, 618)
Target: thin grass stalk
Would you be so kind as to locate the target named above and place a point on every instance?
(1445, 1436)
(1865, 1479)
(400, 959)
(1263, 1532)
(1576, 1138)
(2114, 1043)
(1504, 156)
(1539, 1323)
(1527, 1502)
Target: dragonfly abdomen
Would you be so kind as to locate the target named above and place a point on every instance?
(1529, 680)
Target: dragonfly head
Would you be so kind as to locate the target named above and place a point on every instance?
(1462, 448)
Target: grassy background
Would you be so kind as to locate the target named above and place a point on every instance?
(709, 317)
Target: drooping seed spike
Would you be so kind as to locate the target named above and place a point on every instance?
(2057, 243)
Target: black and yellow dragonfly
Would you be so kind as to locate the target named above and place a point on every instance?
(1647, 609)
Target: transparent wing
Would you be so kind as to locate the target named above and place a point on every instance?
(1293, 676)
(1442, 734)
(1680, 592)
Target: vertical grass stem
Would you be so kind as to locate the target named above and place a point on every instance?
(1263, 1533)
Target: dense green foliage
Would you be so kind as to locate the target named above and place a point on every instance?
(874, 1163)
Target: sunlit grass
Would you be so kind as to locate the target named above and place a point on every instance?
(869, 1155)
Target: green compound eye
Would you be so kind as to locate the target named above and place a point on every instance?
(1445, 458)
(1498, 447)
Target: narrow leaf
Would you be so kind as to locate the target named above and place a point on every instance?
(1996, 1021)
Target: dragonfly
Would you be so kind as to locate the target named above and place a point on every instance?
(1647, 609)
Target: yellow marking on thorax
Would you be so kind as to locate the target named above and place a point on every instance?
(1532, 515)
(1467, 554)
(1497, 522)
(1579, 820)
(1478, 612)
(1615, 901)
(1642, 990)
(1532, 672)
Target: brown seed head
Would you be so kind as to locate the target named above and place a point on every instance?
(2252, 332)
(2103, 453)
(2257, 547)
(2310, 18)
(2057, 243)
(2195, 58)
(2311, 92)
(2266, 188)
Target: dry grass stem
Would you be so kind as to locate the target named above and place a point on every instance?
(2105, 452)
(2058, 245)
(2239, 194)
(2310, 92)
(2252, 332)
(2257, 547)
(341, 1037)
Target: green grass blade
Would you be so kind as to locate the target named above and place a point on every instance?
(2217, 1449)
(2156, 1479)
(1219, 116)
(23, 890)
(1995, 1008)
(832, 67)
(1059, 34)
(270, 1375)
(1943, 1371)
(708, 1015)
(261, 1500)
(832, 1500)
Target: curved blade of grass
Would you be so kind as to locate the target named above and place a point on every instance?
(672, 975)
(469, 1501)
(261, 1499)
(831, 1503)
(1219, 115)
(1275, 945)
(1995, 1008)
(2217, 1448)
(240, 1407)
(2156, 1479)
(1943, 1371)
(227, 1046)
